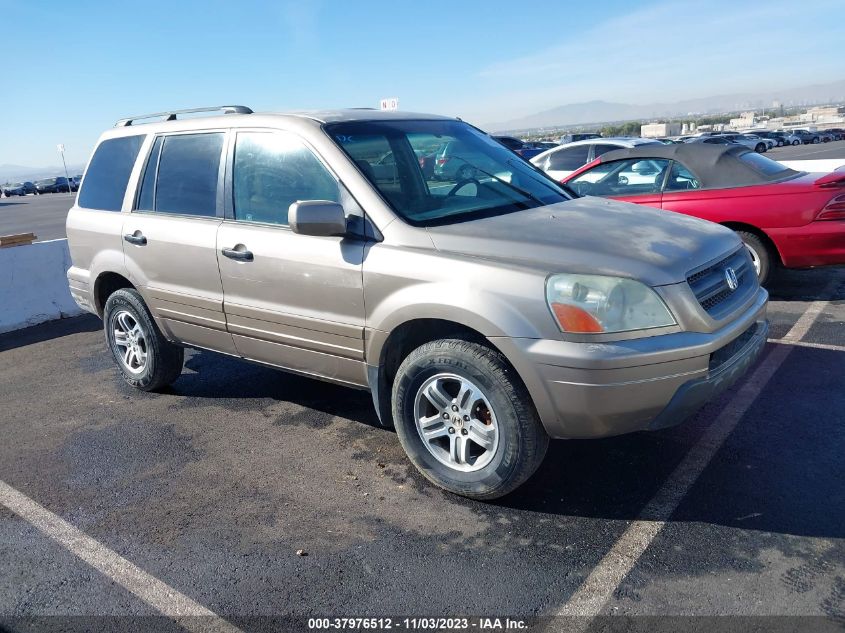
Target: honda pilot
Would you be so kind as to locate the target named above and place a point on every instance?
(486, 308)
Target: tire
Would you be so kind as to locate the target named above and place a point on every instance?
(760, 148)
(163, 360)
(760, 254)
(796, 142)
(502, 413)
(815, 140)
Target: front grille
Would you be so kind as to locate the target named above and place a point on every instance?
(710, 285)
(724, 354)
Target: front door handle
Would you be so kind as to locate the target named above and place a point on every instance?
(238, 253)
(137, 238)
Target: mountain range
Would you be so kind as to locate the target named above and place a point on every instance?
(18, 173)
(609, 112)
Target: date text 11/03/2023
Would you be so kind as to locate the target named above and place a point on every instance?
(417, 624)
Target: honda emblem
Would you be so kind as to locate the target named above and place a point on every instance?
(730, 277)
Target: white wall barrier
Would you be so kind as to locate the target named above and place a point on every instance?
(33, 285)
(825, 165)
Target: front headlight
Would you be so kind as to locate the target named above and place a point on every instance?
(593, 304)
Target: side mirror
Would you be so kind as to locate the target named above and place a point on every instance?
(321, 218)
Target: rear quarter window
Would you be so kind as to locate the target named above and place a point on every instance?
(108, 173)
(764, 165)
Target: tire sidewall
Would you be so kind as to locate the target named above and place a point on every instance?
(125, 300)
(749, 240)
(494, 475)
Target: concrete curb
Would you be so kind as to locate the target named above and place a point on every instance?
(33, 285)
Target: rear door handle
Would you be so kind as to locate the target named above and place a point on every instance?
(137, 238)
(239, 254)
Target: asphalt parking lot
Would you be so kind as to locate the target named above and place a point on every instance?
(43, 215)
(243, 494)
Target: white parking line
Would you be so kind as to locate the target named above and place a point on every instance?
(832, 348)
(160, 596)
(589, 599)
(803, 325)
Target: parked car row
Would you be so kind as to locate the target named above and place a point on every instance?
(57, 184)
(526, 149)
(19, 189)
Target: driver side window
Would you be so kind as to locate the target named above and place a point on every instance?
(272, 171)
(622, 178)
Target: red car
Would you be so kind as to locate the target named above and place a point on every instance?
(785, 217)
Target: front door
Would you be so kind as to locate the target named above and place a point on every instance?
(291, 300)
(170, 239)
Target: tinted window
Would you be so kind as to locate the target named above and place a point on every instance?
(187, 174)
(271, 172)
(108, 173)
(762, 164)
(600, 149)
(569, 159)
(509, 142)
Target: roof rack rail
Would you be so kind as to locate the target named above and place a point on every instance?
(171, 115)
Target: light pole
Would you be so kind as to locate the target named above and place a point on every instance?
(61, 148)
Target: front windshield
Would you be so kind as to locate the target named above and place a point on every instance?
(439, 172)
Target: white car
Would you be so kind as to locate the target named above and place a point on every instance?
(561, 161)
(770, 142)
(791, 138)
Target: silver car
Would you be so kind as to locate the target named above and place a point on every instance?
(485, 316)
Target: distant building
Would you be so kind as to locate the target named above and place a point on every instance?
(657, 130)
(745, 120)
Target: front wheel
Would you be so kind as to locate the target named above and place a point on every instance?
(760, 255)
(760, 148)
(146, 359)
(466, 420)
(796, 142)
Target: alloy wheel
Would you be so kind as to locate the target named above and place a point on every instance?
(130, 341)
(456, 422)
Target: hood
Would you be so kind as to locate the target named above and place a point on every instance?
(593, 236)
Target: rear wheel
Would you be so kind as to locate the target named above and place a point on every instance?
(760, 148)
(146, 359)
(760, 254)
(465, 419)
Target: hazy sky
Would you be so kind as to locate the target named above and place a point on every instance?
(72, 68)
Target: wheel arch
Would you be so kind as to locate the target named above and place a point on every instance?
(389, 349)
(105, 284)
(750, 228)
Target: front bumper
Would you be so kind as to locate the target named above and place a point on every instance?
(588, 390)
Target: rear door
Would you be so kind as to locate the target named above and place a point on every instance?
(95, 222)
(291, 300)
(170, 238)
